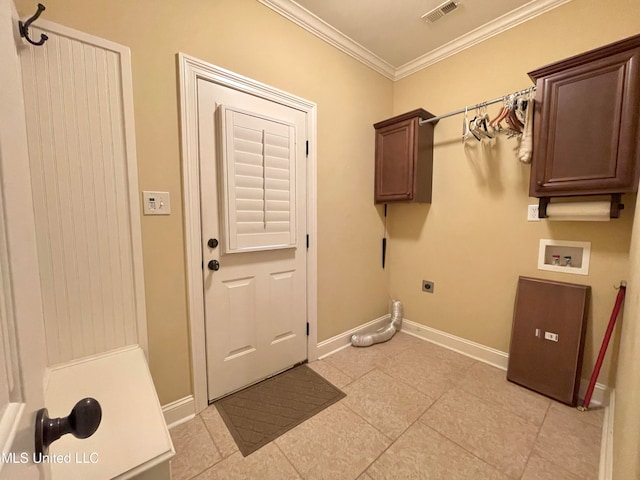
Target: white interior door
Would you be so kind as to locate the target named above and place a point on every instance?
(253, 204)
(22, 349)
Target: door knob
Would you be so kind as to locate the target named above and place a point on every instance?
(214, 265)
(82, 422)
(213, 242)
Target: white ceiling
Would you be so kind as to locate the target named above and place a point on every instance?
(391, 37)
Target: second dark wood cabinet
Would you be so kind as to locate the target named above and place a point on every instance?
(586, 126)
(404, 158)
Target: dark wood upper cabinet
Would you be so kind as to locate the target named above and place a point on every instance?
(586, 126)
(404, 158)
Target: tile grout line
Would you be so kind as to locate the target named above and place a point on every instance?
(450, 439)
(496, 467)
(386, 357)
(285, 457)
(422, 393)
(192, 477)
(429, 427)
(505, 409)
(211, 435)
(546, 413)
(393, 441)
(366, 421)
(385, 449)
(341, 371)
(541, 454)
(376, 367)
(197, 474)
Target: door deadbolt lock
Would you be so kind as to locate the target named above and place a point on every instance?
(212, 243)
(214, 265)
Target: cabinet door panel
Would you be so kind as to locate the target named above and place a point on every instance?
(586, 124)
(395, 166)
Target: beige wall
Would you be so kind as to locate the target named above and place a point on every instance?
(249, 39)
(474, 240)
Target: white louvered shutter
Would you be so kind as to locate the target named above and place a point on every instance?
(258, 160)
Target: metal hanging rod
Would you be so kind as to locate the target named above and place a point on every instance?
(478, 105)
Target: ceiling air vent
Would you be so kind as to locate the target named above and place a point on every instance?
(440, 11)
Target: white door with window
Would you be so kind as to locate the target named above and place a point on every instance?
(253, 204)
(22, 345)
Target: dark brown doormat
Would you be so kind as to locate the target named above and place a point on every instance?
(264, 411)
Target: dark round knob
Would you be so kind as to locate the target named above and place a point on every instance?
(213, 242)
(85, 418)
(82, 422)
(539, 183)
(214, 265)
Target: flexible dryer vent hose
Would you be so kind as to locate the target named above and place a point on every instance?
(383, 334)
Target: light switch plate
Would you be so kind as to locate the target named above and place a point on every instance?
(156, 203)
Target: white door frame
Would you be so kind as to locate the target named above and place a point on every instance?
(192, 69)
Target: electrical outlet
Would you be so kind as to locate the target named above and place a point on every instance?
(532, 213)
(427, 286)
(551, 336)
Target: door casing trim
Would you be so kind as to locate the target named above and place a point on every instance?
(191, 70)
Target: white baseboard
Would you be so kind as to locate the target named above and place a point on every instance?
(465, 347)
(343, 340)
(601, 393)
(471, 349)
(606, 444)
(180, 411)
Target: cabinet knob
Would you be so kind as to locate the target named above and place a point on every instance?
(539, 183)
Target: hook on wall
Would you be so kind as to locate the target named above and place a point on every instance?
(24, 27)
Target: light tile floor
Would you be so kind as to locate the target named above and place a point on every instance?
(413, 410)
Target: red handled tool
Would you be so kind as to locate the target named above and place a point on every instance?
(603, 348)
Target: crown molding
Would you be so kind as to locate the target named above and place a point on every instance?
(321, 29)
(318, 27)
(480, 34)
